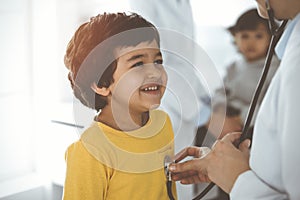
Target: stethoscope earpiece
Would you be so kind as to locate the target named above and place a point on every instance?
(274, 27)
(272, 24)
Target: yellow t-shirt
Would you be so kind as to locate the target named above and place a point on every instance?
(112, 165)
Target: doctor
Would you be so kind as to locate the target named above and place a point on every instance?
(271, 169)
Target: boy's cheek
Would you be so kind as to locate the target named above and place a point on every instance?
(166, 76)
(127, 85)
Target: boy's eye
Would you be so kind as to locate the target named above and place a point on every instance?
(158, 62)
(244, 36)
(259, 36)
(138, 64)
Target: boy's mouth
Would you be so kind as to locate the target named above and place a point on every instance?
(150, 88)
(250, 50)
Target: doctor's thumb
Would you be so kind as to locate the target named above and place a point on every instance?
(184, 166)
(245, 145)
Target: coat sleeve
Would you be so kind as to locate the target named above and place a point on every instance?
(248, 186)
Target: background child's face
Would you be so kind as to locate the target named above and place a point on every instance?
(140, 79)
(253, 44)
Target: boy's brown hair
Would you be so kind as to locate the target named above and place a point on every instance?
(90, 52)
(248, 21)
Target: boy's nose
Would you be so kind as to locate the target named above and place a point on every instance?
(154, 71)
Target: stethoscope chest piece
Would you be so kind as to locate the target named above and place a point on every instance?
(167, 161)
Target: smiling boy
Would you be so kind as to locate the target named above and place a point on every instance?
(116, 69)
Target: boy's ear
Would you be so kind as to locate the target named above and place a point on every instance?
(103, 91)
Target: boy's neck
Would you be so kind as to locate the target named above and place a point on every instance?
(253, 60)
(123, 122)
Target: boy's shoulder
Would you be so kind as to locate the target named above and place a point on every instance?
(76, 152)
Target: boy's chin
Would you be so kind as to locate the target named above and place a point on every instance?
(154, 106)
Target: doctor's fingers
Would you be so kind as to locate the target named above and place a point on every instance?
(190, 166)
(228, 140)
(190, 177)
(232, 137)
(244, 147)
(193, 151)
(192, 171)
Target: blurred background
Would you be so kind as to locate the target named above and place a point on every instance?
(34, 89)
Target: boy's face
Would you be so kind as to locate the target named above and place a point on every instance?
(253, 44)
(140, 79)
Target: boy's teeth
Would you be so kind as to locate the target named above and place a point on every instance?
(151, 88)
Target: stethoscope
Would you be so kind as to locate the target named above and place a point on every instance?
(276, 34)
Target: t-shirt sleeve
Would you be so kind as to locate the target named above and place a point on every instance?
(86, 178)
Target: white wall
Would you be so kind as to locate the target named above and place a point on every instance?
(16, 125)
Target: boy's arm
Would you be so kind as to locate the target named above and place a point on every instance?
(85, 176)
(223, 92)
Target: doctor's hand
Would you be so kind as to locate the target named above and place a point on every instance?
(191, 170)
(222, 165)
